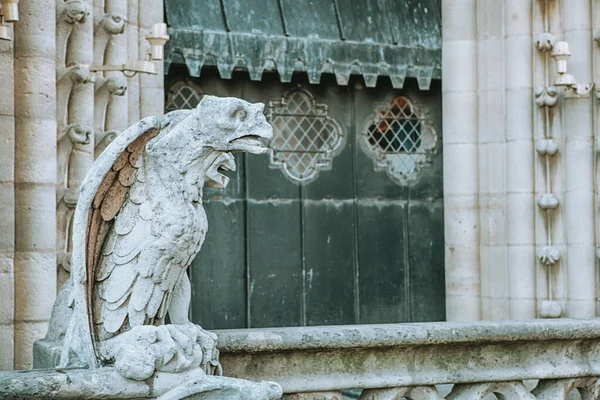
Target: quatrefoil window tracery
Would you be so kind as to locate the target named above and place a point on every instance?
(399, 138)
(183, 95)
(305, 136)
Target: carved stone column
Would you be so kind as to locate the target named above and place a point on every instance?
(492, 162)
(578, 156)
(520, 162)
(7, 205)
(35, 174)
(461, 215)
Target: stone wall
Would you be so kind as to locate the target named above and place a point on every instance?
(55, 117)
(520, 168)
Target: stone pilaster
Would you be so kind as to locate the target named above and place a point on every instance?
(578, 158)
(35, 174)
(520, 162)
(7, 206)
(460, 144)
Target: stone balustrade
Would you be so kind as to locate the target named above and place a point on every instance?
(504, 360)
(538, 359)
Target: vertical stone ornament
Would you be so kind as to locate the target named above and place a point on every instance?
(547, 149)
(74, 116)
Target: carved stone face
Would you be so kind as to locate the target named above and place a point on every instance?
(77, 12)
(199, 146)
(117, 86)
(238, 125)
(114, 23)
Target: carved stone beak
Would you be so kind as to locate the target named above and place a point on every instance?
(254, 141)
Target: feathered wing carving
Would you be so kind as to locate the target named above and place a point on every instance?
(115, 245)
(115, 186)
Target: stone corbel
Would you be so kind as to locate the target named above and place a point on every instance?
(67, 137)
(103, 139)
(66, 197)
(65, 79)
(68, 14)
(106, 26)
(105, 89)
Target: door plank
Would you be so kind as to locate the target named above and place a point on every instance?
(274, 263)
(383, 274)
(426, 258)
(218, 273)
(329, 259)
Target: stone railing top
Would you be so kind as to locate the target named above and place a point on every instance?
(401, 335)
(333, 358)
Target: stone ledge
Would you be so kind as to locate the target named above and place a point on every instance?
(107, 383)
(335, 358)
(403, 335)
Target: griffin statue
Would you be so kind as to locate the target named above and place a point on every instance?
(138, 225)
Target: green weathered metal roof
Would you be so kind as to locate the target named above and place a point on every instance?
(395, 38)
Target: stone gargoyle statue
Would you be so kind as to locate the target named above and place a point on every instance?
(138, 224)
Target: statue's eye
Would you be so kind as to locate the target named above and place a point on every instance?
(239, 114)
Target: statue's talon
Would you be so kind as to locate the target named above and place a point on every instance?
(210, 354)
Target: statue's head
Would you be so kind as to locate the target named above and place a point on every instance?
(202, 143)
(233, 125)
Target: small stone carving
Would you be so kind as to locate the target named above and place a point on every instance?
(138, 224)
(546, 147)
(113, 24)
(77, 12)
(546, 97)
(117, 86)
(549, 255)
(547, 201)
(544, 42)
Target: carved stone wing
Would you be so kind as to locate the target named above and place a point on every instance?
(112, 242)
(113, 187)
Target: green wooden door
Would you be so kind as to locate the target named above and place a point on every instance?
(342, 223)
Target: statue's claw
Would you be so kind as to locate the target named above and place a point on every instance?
(210, 354)
(169, 348)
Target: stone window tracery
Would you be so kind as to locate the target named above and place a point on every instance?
(305, 136)
(183, 95)
(399, 138)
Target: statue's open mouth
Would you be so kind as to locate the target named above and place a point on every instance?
(250, 143)
(214, 176)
